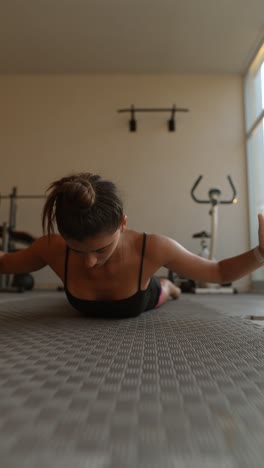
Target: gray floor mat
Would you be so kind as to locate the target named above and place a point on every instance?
(179, 387)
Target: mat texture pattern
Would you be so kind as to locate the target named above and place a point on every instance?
(179, 387)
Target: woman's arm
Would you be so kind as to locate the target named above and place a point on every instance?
(173, 256)
(25, 261)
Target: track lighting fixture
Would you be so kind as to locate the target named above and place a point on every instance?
(171, 122)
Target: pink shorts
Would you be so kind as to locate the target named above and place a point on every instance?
(160, 301)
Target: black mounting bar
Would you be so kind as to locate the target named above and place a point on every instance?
(133, 110)
(231, 200)
(139, 109)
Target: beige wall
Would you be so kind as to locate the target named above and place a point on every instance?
(53, 125)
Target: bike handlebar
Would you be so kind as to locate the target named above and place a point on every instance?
(197, 200)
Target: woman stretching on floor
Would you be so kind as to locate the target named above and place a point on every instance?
(107, 269)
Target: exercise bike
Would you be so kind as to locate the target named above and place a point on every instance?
(207, 249)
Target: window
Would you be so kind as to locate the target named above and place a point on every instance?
(254, 114)
(262, 84)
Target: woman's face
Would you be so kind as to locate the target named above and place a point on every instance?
(96, 251)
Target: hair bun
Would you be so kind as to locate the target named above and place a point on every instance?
(82, 205)
(79, 192)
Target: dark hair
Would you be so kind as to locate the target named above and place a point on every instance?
(83, 205)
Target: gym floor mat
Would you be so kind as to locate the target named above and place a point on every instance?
(177, 387)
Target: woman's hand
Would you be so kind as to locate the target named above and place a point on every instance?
(261, 233)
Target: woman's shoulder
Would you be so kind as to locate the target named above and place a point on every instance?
(154, 243)
(152, 240)
(53, 244)
(53, 239)
(157, 249)
(160, 248)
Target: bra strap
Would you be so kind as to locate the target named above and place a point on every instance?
(142, 260)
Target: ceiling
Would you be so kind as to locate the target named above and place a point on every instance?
(129, 36)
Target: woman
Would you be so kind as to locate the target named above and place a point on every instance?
(108, 270)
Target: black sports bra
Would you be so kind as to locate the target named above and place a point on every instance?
(128, 307)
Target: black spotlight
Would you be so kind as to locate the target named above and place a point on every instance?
(133, 125)
(132, 121)
(171, 125)
(171, 122)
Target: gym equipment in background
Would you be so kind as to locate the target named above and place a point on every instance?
(203, 235)
(23, 281)
(214, 199)
(207, 251)
(10, 236)
(13, 197)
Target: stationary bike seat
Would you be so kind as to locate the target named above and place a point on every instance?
(202, 234)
